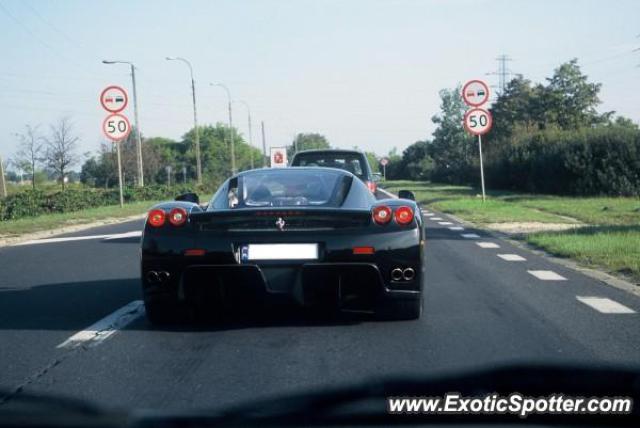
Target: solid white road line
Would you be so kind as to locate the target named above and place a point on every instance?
(547, 275)
(387, 194)
(67, 239)
(512, 257)
(604, 305)
(132, 234)
(82, 238)
(445, 223)
(487, 245)
(106, 327)
(456, 228)
(470, 235)
(436, 218)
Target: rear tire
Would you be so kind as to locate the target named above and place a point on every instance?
(401, 310)
(161, 310)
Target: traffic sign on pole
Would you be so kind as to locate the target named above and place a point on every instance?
(114, 99)
(278, 157)
(384, 162)
(475, 93)
(477, 121)
(116, 127)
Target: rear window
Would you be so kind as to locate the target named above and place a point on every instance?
(288, 188)
(348, 162)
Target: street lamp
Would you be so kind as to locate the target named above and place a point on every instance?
(135, 113)
(233, 149)
(244, 103)
(195, 116)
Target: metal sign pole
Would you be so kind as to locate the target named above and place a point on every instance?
(481, 167)
(384, 172)
(3, 185)
(264, 146)
(119, 173)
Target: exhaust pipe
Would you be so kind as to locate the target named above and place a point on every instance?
(408, 274)
(163, 276)
(152, 277)
(396, 274)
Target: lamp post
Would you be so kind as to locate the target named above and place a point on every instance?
(233, 149)
(135, 113)
(195, 117)
(244, 103)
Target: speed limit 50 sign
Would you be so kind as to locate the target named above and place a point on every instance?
(478, 121)
(116, 127)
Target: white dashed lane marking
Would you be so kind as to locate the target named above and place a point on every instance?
(547, 275)
(445, 223)
(512, 257)
(436, 218)
(604, 305)
(429, 214)
(456, 228)
(106, 327)
(470, 235)
(487, 245)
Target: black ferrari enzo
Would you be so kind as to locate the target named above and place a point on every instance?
(314, 236)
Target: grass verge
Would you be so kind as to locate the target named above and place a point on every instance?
(608, 236)
(21, 226)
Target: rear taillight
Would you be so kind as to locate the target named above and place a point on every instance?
(382, 215)
(178, 216)
(372, 186)
(156, 217)
(403, 215)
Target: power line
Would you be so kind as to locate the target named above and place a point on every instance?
(504, 73)
(25, 28)
(50, 48)
(52, 26)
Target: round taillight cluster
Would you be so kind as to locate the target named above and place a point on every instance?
(156, 217)
(403, 215)
(178, 216)
(382, 214)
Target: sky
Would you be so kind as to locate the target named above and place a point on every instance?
(364, 73)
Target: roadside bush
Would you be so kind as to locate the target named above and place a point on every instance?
(31, 203)
(589, 161)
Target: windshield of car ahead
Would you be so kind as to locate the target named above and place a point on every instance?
(287, 188)
(347, 161)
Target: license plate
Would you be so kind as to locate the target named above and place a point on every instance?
(279, 252)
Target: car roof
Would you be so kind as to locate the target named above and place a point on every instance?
(294, 169)
(341, 151)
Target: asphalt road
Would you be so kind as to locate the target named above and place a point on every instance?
(480, 311)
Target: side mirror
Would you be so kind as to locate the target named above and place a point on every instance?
(406, 194)
(189, 197)
(377, 177)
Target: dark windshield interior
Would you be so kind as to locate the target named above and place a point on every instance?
(288, 188)
(348, 162)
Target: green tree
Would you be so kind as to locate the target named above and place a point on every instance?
(307, 141)
(570, 100)
(30, 152)
(452, 150)
(416, 161)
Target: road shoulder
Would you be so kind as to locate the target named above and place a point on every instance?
(5, 242)
(604, 277)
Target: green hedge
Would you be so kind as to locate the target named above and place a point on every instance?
(31, 203)
(592, 161)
